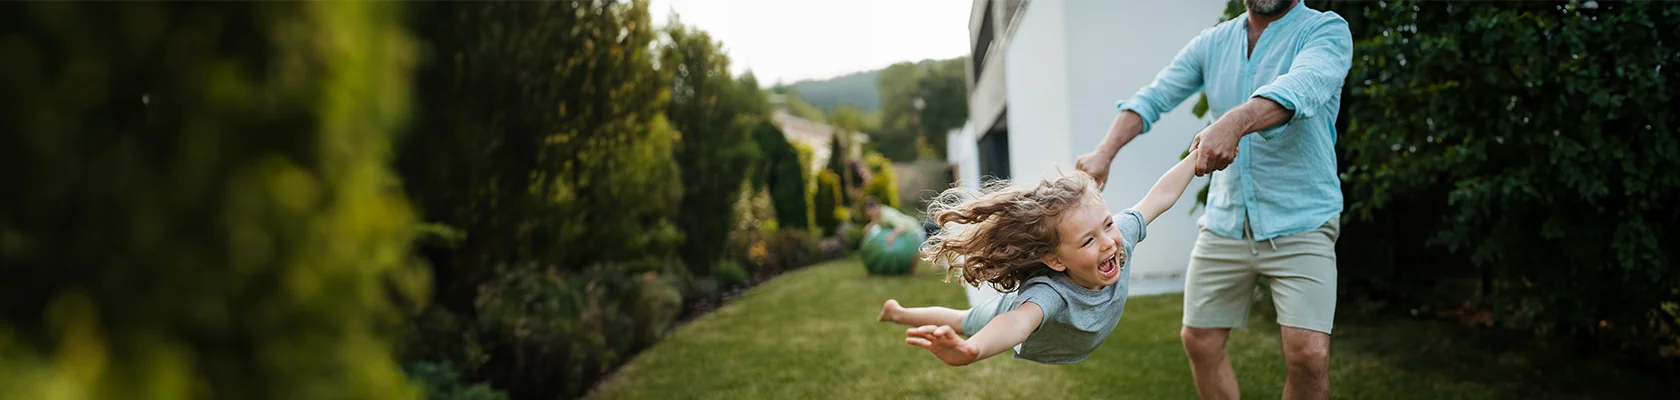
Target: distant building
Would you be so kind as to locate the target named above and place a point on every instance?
(1043, 80)
(811, 133)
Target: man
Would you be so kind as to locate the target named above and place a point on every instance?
(1274, 77)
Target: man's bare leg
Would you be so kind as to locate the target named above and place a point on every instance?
(1209, 365)
(1307, 354)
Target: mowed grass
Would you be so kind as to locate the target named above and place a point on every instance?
(812, 334)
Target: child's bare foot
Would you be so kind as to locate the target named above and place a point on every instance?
(889, 311)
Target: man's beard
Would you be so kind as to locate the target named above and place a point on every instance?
(1267, 8)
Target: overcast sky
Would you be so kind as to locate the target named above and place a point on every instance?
(792, 40)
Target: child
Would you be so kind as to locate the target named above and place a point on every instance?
(1053, 250)
(882, 216)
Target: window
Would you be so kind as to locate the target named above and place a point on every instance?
(994, 150)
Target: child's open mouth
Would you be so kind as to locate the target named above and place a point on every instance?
(1109, 267)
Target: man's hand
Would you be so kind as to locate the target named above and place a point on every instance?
(1218, 142)
(1095, 164)
(944, 343)
(1218, 149)
(891, 236)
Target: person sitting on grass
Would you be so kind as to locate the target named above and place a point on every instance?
(1054, 251)
(881, 216)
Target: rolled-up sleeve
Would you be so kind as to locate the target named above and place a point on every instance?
(1172, 85)
(1316, 75)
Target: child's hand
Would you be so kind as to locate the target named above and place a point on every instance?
(944, 343)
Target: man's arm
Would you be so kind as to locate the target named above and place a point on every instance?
(1171, 86)
(1168, 189)
(1125, 127)
(1218, 142)
(1001, 334)
(1314, 78)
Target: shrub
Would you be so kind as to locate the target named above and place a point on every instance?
(753, 213)
(729, 274)
(1505, 152)
(198, 200)
(556, 332)
(571, 183)
(806, 155)
(1569, 164)
(883, 182)
(843, 215)
(791, 249)
(716, 114)
(838, 162)
(853, 235)
(442, 383)
(784, 173)
(532, 164)
(827, 201)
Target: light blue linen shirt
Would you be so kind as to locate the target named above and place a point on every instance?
(1284, 179)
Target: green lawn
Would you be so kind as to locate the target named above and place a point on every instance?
(812, 334)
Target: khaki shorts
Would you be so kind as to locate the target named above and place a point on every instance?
(1301, 270)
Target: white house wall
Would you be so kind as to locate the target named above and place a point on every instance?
(1113, 49)
(962, 151)
(1036, 89)
(1068, 63)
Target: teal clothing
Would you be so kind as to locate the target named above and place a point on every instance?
(1076, 319)
(904, 248)
(891, 217)
(1284, 180)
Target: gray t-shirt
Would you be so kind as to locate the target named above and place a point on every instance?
(1076, 319)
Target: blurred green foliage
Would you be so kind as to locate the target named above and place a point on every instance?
(907, 133)
(1508, 161)
(602, 170)
(781, 169)
(545, 141)
(716, 114)
(213, 200)
(789, 249)
(827, 201)
(443, 382)
(883, 181)
(802, 109)
(853, 236)
(199, 202)
(839, 164)
(730, 274)
(1517, 128)
(754, 216)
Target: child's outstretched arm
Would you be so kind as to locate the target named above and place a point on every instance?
(1168, 188)
(1001, 334)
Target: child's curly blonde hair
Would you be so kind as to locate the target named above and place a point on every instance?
(1000, 234)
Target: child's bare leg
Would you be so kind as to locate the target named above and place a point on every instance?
(918, 316)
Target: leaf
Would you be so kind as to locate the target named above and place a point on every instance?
(1201, 198)
(1201, 108)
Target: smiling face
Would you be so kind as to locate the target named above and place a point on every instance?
(1089, 248)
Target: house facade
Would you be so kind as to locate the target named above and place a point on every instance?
(1043, 80)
